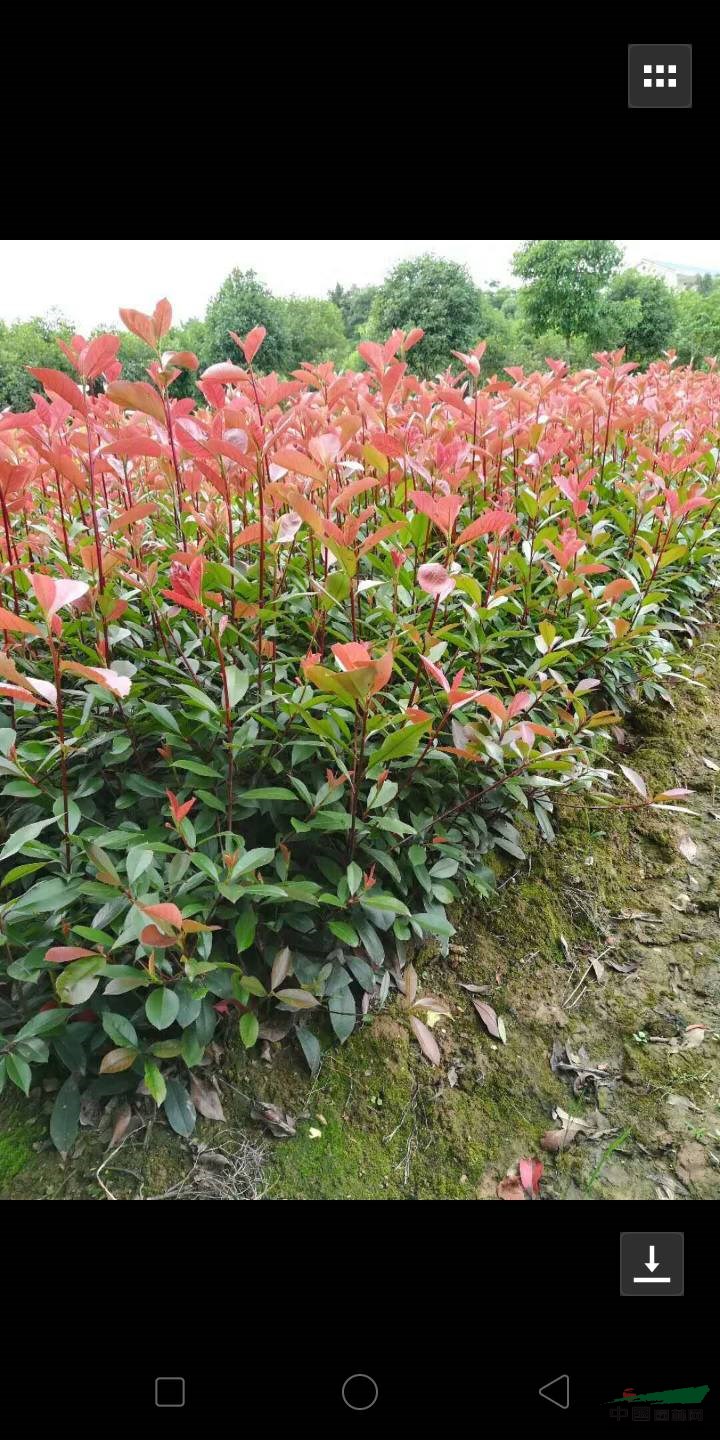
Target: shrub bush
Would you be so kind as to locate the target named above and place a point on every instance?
(282, 667)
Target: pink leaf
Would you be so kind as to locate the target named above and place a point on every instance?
(434, 580)
(426, 1040)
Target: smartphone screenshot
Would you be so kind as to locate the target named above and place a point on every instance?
(360, 826)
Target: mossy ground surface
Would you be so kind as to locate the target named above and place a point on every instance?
(393, 1127)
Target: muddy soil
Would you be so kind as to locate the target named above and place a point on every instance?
(598, 953)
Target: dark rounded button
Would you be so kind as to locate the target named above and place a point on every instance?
(360, 1392)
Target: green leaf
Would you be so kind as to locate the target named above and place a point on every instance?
(344, 931)
(269, 792)
(21, 871)
(44, 1023)
(237, 684)
(387, 792)
(253, 860)
(196, 767)
(378, 900)
(354, 876)
(65, 1118)
(245, 927)
(248, 1029)
(19, 838)
(138, 861)
(161, 1007)
(164, 717)
(19, 1072)
(444, 868)
(155, 1082)
(199, 698)
(434, 924)
(119, 1029)
(79, 980)
(252, 985)
(402, 743)
(341, 1007)
(179, 1108)
(362, 972)
(191, 1050)
(310, 1046)
(74, 814)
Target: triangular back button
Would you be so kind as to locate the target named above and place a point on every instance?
(557, 1391)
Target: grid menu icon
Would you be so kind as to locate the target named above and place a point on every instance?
(659, 77)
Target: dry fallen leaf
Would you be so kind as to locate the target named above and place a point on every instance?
(279, 1122)
(206, 1099)
(687, 848)
(488, 1017)
(570, 1128)
(427, 1042)
(122, 1118)
(511, 1188)
(710, 763)
(314, 1134)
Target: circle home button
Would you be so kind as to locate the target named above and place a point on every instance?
(360, 1392)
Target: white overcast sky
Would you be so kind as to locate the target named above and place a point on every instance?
(88, 280)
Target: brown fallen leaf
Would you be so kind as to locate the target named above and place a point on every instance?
(488, 1017)
(687, 848)
(206, 1099)
(281, 967)
(475, 989)
(710, 763)
(511, 1188)
(410, 980)
(426, 1040)
(279, 1122)
(570, 1128)
(122, 1118)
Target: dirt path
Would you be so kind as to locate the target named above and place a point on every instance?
(605, 1043)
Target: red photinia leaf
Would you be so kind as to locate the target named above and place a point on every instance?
(126, 518)
(140, 325)
(224, 373)
(530, 1172)
(491, 522)
(165, 914)
(162, 319)
(435, 580)
(53, 594)
(180, 809)
(57, 383)
(137, 395)
(252, 342)
(17, 624)
(118, 685)
(61, 954)
(151, 936)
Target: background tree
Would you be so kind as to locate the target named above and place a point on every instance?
(437, 294)
(565, 279)
(697, 331)
(30, 342)
(354, 305)
(637, 311)
(242, 302)
(314, 331)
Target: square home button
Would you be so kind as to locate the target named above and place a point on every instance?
(652, 1262)
(169, 1392)
(659, 77)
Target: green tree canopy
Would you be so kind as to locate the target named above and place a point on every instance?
(30, 342)
(241, 303)
(354, 305)
(564, 283)
(437, 294)
(314, 331)
(638, 311)
(697, 330)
